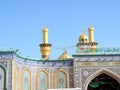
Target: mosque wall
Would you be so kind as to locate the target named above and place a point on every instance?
(17, 73)
(57, 74)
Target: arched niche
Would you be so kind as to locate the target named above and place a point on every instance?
(61, 79)
(26, 79)
(42, 80)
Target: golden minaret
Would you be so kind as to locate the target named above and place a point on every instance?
(91, 34)
(91, 38)
(45, 46)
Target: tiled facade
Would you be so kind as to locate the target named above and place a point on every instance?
(30, 74)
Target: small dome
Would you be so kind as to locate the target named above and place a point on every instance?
(83, 38)
(64, 56)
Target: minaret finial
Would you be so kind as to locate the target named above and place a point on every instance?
(65, 51)
(45, 25)
(90, 25)
(82, 30)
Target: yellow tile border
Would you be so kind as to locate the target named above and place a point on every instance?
(16, 69)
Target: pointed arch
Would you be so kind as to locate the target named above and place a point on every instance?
(41, 80)
(3, 68)
(97, 73)
(66, 77)
(26, 79)
(16, 78)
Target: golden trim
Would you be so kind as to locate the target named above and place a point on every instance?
(26, 69)
(48, 76)
(117, 62)
(87, 63)
(16, 69)
(67, 78)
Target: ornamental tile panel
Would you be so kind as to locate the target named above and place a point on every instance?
(97, 58)
(41, 63)
(6, 56)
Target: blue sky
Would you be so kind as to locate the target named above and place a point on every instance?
(21, 23)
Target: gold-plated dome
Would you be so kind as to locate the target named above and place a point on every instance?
(64, 56)
(83, 38)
